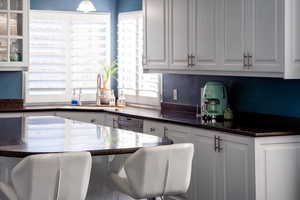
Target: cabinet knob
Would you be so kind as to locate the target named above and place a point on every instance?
(152, 129)
(93, 120)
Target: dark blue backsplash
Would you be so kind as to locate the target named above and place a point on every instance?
(261, 95)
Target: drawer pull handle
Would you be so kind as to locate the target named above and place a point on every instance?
(152, 129)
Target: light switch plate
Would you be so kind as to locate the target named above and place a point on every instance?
(175, 94)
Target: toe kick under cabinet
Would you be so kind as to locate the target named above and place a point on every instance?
(229, 37)
(235, 167)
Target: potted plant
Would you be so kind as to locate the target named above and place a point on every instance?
(105, 92)
(108, 71)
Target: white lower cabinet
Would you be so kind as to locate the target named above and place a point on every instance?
(219, 173)
(235, 168)
(153, 128)
(110, 120)
(277, 165)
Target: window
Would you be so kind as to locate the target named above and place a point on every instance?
(138, 87)
(67, 51)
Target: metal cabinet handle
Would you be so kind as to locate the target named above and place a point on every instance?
(245, 63)
(165, 131)
(220, 144)
(114, 123)
(152, 129)
(216, 144)
(250, 63)
(93, 120)
(189, 60)
(192, 61)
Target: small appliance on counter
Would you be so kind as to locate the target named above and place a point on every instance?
(214, 100)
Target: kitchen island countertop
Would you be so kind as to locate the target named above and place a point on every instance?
(23, 136)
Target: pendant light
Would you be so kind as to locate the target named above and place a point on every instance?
(86, 6)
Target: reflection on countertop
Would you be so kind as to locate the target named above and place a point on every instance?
(48, 134)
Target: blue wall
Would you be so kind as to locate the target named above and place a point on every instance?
(129, 5)
(10, 85)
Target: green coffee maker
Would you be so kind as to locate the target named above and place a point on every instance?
(213, 100)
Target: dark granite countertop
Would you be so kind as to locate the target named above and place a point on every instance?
(248, 124)
(23, 136)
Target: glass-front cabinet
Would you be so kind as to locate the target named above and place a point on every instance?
(14, 34)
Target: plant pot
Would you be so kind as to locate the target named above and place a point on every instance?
(105, 95)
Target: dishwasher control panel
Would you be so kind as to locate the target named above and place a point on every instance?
(130, 123)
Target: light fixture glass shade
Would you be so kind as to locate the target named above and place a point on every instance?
(86, 6)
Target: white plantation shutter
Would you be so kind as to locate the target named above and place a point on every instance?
(138, 87)
(67, 50)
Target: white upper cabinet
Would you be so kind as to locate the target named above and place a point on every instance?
(228, 37)
(156, 34)
(292, 38)
(179, 27)
(14, 35)
(265, 35)
(233, 37)
(205, 31)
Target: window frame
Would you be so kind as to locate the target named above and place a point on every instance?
(136, 99)
(45, 100)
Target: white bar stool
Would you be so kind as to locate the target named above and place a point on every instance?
(156, 172)
(63, 176)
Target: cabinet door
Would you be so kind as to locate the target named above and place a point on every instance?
(203, 179)
(277, 168)
(232, 37)
(179, 33)
(204, 30)
(266, 35)
(110, 120)
(156, 34)
(235, 168)
(203, 183)
(14, 34)
(292, 39)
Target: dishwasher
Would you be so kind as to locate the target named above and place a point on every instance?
(130, 123)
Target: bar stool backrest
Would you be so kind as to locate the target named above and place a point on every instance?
(157, 171)
(63, 176)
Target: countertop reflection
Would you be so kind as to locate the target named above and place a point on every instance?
(50, 134)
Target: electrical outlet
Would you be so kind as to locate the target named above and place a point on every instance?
(175, 94)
